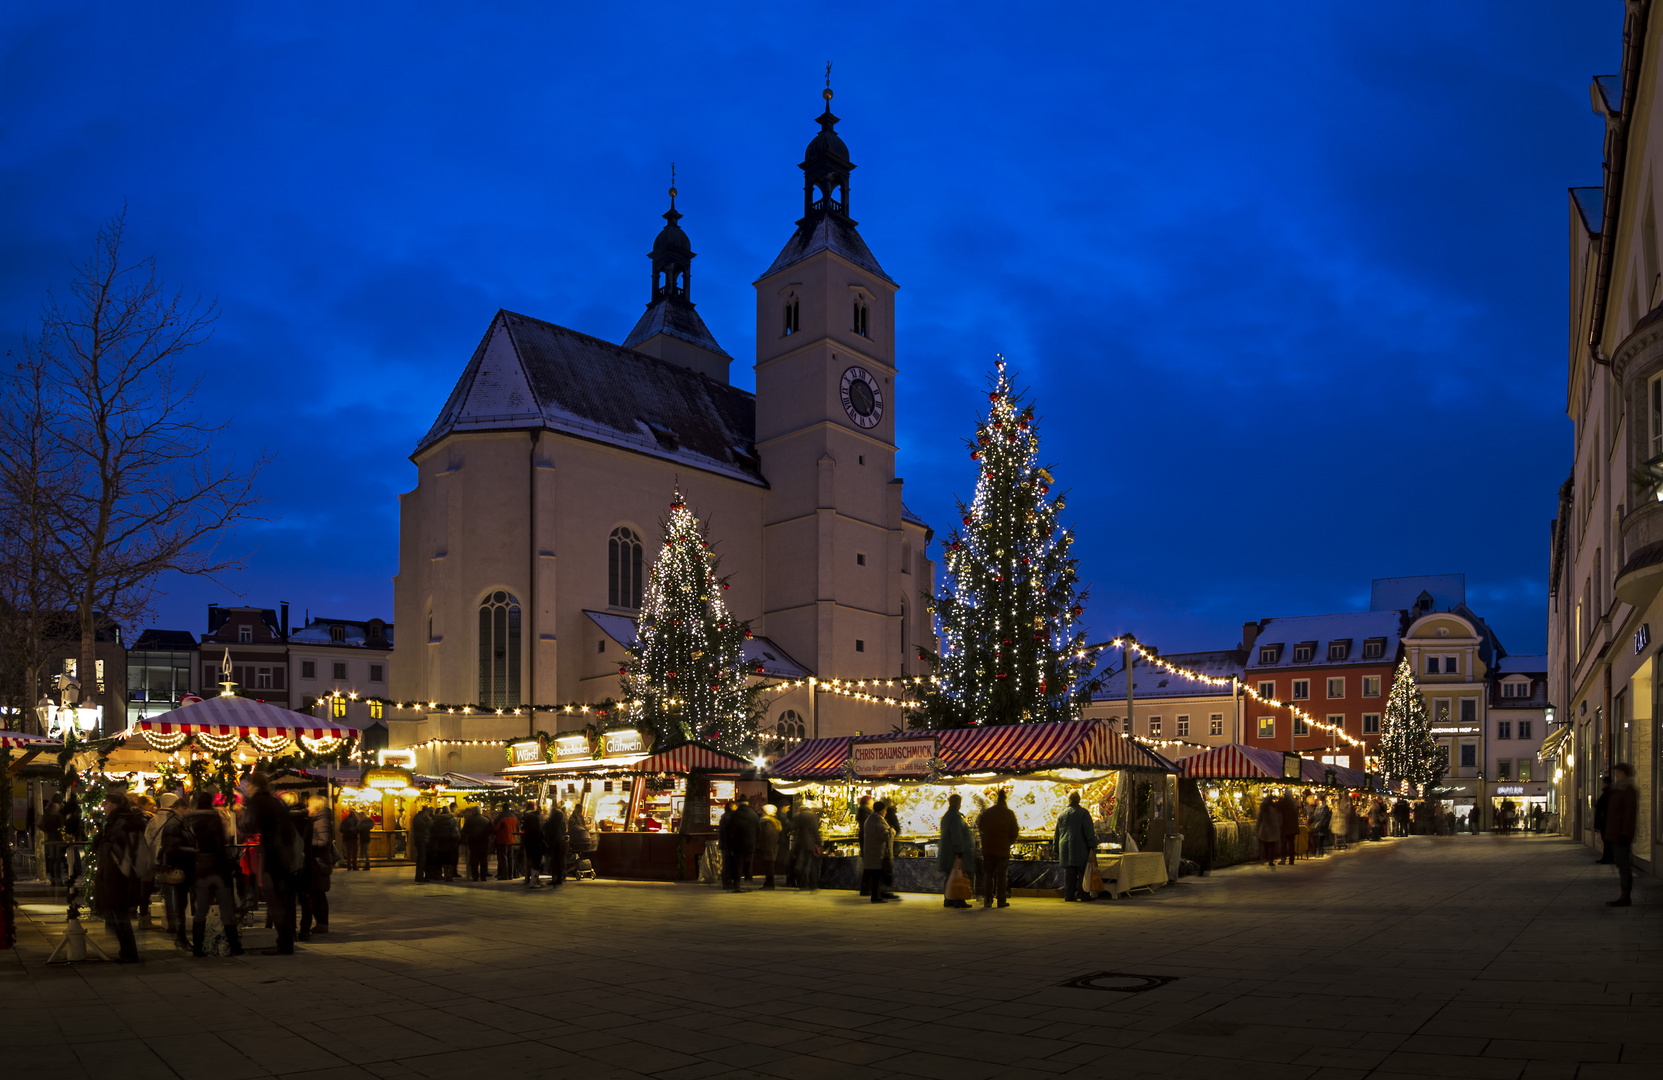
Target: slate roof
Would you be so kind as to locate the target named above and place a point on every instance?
(316, 632)
(825, 231)
(1152, 682)
(675, 317)
(775, 661)
(1320, 630)
(160, 640)
(1522, 665)
(528, 373)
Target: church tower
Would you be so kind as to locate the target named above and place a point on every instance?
(670, 328)
(841, 587)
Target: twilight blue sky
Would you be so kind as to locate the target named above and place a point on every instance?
(1287, 281)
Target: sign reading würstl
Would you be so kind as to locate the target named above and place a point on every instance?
(892, 757)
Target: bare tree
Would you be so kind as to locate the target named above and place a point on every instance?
(148, 489)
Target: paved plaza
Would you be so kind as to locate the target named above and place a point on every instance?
(1454, 957)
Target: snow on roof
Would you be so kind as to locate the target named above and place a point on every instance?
(1152, 682)
(1522, 665)
(320, 631)
(527, 373)
(1400, 593)
(1321, 630)
(775, 661)
(827, 232)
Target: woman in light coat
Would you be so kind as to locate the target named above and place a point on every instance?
(876, 839)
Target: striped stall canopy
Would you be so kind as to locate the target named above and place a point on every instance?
(1233, 762)
(689, 757)
(812, 759)
(17, 740)
(242, 716)
(1013, 748)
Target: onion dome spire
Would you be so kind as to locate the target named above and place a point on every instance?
(826, 166)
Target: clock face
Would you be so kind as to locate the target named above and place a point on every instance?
(862, 399)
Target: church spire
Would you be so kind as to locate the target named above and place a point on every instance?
(672, 253)
(670, 328)
(826, 166)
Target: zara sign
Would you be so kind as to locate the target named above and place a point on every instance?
(1642, 638)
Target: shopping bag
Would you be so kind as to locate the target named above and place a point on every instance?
(1094, 878)
(958, 882)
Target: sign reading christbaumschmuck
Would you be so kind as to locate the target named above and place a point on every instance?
(892, 757)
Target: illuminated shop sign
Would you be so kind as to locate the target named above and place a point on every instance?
(571, 747)
(525, 753)
(892, 757)
(628, 741)
(1509, 789)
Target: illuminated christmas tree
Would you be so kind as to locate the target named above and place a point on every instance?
(1408, 753)
(687, 678)
(1012, 647)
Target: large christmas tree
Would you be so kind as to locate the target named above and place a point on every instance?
(1408, 753)
(687, 678)
(1012, 647)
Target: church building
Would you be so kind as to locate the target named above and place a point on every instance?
(524, 547)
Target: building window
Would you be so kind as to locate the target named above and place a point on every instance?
(375, 673)
(1336, 688)
(340, 669)
(1525, 729)
(1215, 724)
(1469, 710)
(1269, 653)
(1301, 689)
(376, 710)
(1371, 723)
(1431, 665)
(1336, 721)
(1504, 729)
(1654, 398)
(1154, 726)
(1183, 726)
(1504, 769)
(1267, 727)
(245, 634)
(1300, 727)
(1267, 690)
(209, 675)
(623, 574)
(1371, 686)
(337, 634)
(1469, 755)
(1302, 653)
(262, 678)
(338, 707)
(499, 651)
(860, 558)
(1524, 770)
(1452, 665)
(308, 669)
(860, 646)
(793, 316)
(1374, 648)
(1338, 650)
(861, 324)
(788, 731)
(600, 646)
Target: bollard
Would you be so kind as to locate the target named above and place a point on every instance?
(75, 941)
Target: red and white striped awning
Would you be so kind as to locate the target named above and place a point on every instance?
(690, 757)
(1010, 748)
(245, 717)
(17, 740)
(1233, 762)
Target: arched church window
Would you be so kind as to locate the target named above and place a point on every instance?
(789, 730)
(861, 324)
(499, 651)
(623, 574)
(906, 556)
(793, 322)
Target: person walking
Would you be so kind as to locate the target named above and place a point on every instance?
(176, 864)
(212, 873)
(749, 826)
(956, 847)
(999, 828)
(1602, 809)
(1288, 806)
(447, 843)
(421, 840)
(1621, 817)
(153, 827)
(580, 842)
(1321, 827)
(282, 856)
(1472, 820)
(805, 844)
(1076, 842)
(875, 840)
(1400, 817)
(476, 834)
(350, 838)
(119, 882)
(506, 828)
(555, 841)
(1268, 829)
(320, 862)
(531, 845)
(768, 845)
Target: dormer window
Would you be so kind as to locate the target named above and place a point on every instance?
(1374, 648)
(861, 318)
(337, 633)
(1303, 652)
(1269, 654)
(1339, 650)
(793, 320)
(245, 634)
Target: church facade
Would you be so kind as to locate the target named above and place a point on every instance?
(524, 547)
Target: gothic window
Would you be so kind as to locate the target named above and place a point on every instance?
(499, 651)
(788, 731)
(861, 319)
(793, 312)
(623, 574)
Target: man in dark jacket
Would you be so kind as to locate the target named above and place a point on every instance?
(1621, 817)
(999, 828)
(421, 840)
(531, 841)
(747, 827)
(726, 828)
(1290, 825)
(1602, 808)
(554, 845)
(282, 855)
(476, 833)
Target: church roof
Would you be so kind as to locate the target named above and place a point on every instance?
(775, 661)
(675, 317)
(827, 232)
(528, 373)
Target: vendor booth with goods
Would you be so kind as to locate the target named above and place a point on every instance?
(1125, 787)
(1232, 780)
(648, 814)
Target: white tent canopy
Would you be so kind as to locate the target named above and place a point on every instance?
(240, 716)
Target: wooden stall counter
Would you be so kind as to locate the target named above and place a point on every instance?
(648, 856)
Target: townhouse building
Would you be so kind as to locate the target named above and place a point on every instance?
(257, 642)
(1176, 714)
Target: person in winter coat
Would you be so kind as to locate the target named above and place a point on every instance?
(999, 829)
(555, 841)
(320, 861)
(579, 841)
(1621, 817)
(476, 834)
(211, 876)
(531, 845)
(876, 839)
(350, 837)
(1076, 842)
(421, 842)
(1400, 817)
(749, 826)
(1289, 807)
(282, 856)
(768, 844)
(153, 826)
(1602, 810)
(725, 845)
(1321, 827)
(176, 851)
(119, 884)
(1268, 828)
(805, 845)
(505, 832)
(956, 847)
(447, 843)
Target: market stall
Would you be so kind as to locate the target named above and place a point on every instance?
(1233, 779)
(1038, 765)
(648, 814)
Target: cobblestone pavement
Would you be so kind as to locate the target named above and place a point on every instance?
(1453, 957)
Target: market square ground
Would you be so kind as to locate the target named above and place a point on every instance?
(1457, 957)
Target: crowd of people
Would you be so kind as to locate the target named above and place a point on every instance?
(528, 843)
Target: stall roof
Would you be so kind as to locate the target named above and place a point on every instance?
(241, 716)
(1011, 748)
(18, 740)
(692, 756)
(1234, 761)
(461, 780)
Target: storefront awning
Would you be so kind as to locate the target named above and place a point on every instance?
(244, 717)
(620, 763)
(689, 757)
(1551, 745)
(1234, 762)
(466, 781)
(17, 740)
(1009, 748)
